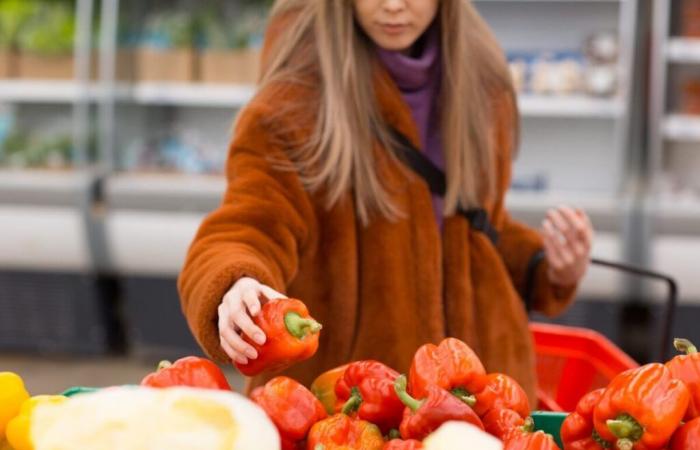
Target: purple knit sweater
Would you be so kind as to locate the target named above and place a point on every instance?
(418, 79)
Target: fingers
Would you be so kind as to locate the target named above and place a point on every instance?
(241, 347)
(557, 253)
(225, 330)
(251, 300)
(270, 293)
(574, 230)
(243, 321)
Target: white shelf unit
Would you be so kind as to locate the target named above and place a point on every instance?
(682, 128)
(683, 50)
(580, 106)
(578, 142)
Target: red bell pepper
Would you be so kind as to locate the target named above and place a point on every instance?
(291, 407)
(577, 432)
(292, 336)
(452, 365)
(502, 392)
(641, 408)
(527, 439)
(323, 387)
(340, 432)
(367, 387)
(398, 444)
(189, 371)
(422, 417)
(501, 422)
(687, 437)
(686, 368)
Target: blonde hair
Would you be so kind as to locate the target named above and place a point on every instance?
(321, 37)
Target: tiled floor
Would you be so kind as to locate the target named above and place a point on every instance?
(54, 375)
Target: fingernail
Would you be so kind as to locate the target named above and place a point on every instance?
(242, 360)
(259, 338)
(251, 353)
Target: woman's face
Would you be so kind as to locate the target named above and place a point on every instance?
(395, 24)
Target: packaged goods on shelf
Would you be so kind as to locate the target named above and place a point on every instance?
(166, 51)
(691, 97)
(231, 54)
(45, 42)
(690, 18)
(592, 70)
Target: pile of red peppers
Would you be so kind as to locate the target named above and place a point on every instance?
(366, 405)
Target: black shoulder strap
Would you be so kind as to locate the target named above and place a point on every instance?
(478, 217)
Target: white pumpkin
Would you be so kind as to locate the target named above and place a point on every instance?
(461, 436)
(138, 418)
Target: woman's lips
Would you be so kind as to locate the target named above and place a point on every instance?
(393, 28)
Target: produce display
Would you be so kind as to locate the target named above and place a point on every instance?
(446, 402)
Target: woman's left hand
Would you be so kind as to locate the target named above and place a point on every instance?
(568, 236)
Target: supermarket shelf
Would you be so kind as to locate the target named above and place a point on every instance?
(42, 91)
(676, 216)
(46, 187)
(149, 242)
(605, 210)
(164, 192)
(187, 94)
(569, 106)
(43, 238)
(684, 50)
(678, 127)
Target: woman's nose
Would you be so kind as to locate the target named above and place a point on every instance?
(394, 5)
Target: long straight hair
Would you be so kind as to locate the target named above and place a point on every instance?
(322, 37)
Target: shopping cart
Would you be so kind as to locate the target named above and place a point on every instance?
(573, 361)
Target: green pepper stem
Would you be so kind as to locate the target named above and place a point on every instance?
(394, 434)
(353, 402)
(300, 327)
(684, 346)
(624, 444)
(164, 364)
(529, 425)
(400, 387)
(465, 396)
(625, 427)
(599, 440)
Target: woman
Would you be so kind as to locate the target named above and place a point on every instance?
(319, 207)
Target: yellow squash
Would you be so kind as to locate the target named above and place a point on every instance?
(12, 395)
(19, 428)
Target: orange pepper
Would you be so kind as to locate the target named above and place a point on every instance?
(641, 408)
(687, 437)
(422, 417)
(686, 368)
(292, 336)
(525, 438)
(189, 371)
(323, 388)
(502, 392)
(451, 365)
(340, 432)
(291, 407)
(398, 444)
(577, 432)
(367, 387)
(500, 422)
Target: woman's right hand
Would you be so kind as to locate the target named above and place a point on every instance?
(242, 302)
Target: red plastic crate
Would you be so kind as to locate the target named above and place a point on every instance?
(572, 362)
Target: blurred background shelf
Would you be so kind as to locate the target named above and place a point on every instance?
(570, 106)
(164, 192)
(684, 128)
(684, 50)
(44, 91)
(186, 94)
(47, 187)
